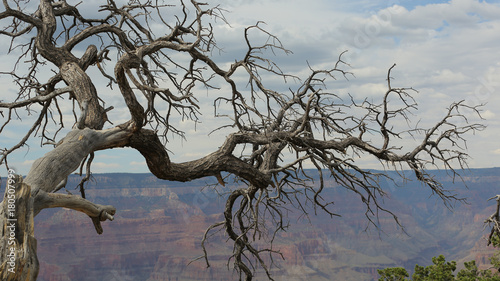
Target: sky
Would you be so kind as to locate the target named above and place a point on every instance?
(447, 50)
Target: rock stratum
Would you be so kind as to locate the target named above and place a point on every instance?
(158, 227)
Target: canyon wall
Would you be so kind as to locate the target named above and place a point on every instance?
(158, 227)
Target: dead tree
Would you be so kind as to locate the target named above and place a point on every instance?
(159, 58)
(494, 223)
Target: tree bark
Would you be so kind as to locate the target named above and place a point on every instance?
(17, 243)
(273, 125)
(85, 92)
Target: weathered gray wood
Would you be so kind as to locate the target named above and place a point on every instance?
(17, 242)
(309, 125)
(86, 94)
(48, 171)
(96, 212)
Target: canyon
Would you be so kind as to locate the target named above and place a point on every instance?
(159, 225)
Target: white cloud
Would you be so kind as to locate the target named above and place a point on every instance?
(488, 114)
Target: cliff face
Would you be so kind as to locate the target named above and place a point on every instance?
(158, 227)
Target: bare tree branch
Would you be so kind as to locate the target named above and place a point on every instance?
(276, 136)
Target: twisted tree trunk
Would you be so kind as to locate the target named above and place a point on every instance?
(24, 199)
(17, 241)
(276, 134)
